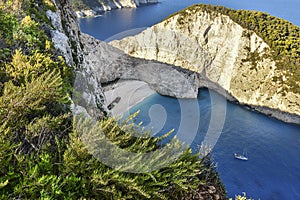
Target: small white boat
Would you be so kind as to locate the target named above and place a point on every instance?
(240, 156)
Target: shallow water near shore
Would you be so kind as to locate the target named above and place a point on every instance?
(272, 146)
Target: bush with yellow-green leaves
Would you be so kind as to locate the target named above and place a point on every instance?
(41, 153)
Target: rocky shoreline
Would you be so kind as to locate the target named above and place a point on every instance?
(101, 63)
(136, 91)
(110, 5)
(226, 57)
(110, 64)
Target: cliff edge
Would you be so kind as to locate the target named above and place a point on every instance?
(227, 57)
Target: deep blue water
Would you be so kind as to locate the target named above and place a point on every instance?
(115, 22)
(273, 147)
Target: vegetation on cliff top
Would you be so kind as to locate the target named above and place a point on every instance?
(86, 4)
(41, 153)
(282, 36)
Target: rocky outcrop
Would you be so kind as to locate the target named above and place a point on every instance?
(109, 4)
(109, 64)
(218, 53)
(228, 58)
(97, 62)
(66, 37)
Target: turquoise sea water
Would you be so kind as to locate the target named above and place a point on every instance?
(273, 147)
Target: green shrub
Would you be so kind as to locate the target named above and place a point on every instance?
(42, 153)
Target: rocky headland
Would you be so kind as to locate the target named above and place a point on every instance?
(85, 8)
(97, 63)
(187, 51)
(225, 57)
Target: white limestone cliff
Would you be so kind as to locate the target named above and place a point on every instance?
(96, 62)
(227, 56)
(213, 48)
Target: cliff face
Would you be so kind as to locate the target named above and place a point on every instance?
(97, 62)
(66, 37)
(228, 58)
(218, 53)
(108, 63)
(94, 7)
